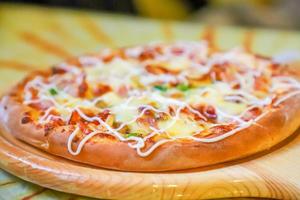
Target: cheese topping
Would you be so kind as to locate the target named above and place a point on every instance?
(159, 92)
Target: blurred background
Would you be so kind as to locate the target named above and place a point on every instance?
(279, 14)
(36, 37)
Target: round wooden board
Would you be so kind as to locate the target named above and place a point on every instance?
(56, 34)
(245, 178)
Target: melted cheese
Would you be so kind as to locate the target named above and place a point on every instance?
(179, 128)
(124, 114)
(111, 99)
(127, 109)
(116, 73)
(177, 64)
(214, 95)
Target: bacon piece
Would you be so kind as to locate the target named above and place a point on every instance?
(262, 57)
(83, 87)
(172, 110)
(177, 51)
(279, 69)
(48, 128)
(108, 58)
(42, 105)
(75, 117)
(210, 112)
(52, 112)
(83, 126)
(57, 70)
(34, 93)
(261, 83)
(222, 72)
(104, 115)
(104, 135)
(148, 119)
(207, 111)
(221, 129)
(177, 95)
(199, 80)
(216, 131)
(101, 89)
(26, 119)
(113, 55)
(158, 49)
(156, 69)
(55, 123)
(123, 91)
(251, 114)
(147, 54)
(276, 67)
(58, 122)
(236, 86)
(74, 61)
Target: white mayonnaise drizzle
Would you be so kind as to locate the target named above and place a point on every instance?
(244, 95)
(285, 97)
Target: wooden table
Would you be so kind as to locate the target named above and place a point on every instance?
(35, 38)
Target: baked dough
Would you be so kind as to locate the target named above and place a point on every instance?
(275, 123)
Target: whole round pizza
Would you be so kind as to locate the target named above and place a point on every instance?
(156, 107)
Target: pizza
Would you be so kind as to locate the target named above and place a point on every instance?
(156, 107)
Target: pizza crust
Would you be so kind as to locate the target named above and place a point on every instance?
(277, 125)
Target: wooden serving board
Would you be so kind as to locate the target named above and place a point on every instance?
(33, 38)
(275, 175)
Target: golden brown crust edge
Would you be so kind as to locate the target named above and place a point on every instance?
(277, 125)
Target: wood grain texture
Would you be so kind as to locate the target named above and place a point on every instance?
(275, 174)
(252, 177)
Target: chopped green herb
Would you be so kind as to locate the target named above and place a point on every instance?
(53, 91)
(162, 88)
(131, 135)
(183, 87)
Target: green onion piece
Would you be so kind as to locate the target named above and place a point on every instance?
(53, 91)
(131, 135)
(183, 87)
(162, 88)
